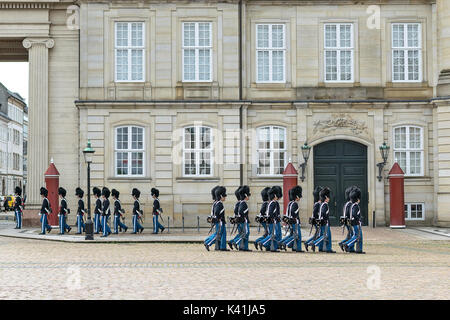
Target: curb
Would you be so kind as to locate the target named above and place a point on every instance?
(442, 234)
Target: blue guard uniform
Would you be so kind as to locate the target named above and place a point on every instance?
(345, 218)
(18, 208)
(271, 242)
(44, 212)
(156, 212)
(294, 240)
(97, 211)
(80, 211)
(355, 220)
(242, 241)
(213, 220)
(106, 212)
(118, 212)
(314, 217)
(137, 212)
(262, 217)
(219, 213)
(63, 212)
(233, 242)
(325, 231)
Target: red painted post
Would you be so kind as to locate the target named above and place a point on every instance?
(397, 195)
(290, 180)
(52, 185)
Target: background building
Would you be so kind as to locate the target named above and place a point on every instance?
(11, 140)
(186, 95)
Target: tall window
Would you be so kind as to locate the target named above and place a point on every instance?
(406, 52)
(338, 52)
(197, 151)
(270, 52)
(197, 51)
(271, 150)
(129, 50)
(129, 151)
(408, 149)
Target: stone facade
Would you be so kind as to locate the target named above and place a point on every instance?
(73, 86)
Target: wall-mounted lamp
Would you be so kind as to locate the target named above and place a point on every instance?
(305, 152)
(384, 150)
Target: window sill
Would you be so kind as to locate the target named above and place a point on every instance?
(197, 179)
(418, 178)
(129, 179)
(272, 85)
(266, 178)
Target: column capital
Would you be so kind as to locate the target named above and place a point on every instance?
(29, 42)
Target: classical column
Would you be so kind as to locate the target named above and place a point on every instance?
(38, 115)
(443, 113)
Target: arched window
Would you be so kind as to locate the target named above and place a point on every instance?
(271, 149)
(197, 151)
(408, 149)
(129, 151)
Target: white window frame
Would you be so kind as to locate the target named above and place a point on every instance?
(405, 50)
(271, 150)
(408, 150)
(196, 49)
(270, 49)
(129, 48)
(129, 151)
(408, 211)
(338, 50)
(197, 150)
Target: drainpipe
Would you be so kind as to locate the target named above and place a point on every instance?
(241, 164)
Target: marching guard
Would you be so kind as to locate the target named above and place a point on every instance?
(45, 210)
(118, 212)
(262, 216)
(235, 220)
(314, 219)
(294, 240)
(18, 207)
(97, 210)
(271, 242)
(157, 210)
(355, 220)
(106, 212)
(325, 231)
(137, 212)
(80, 211)
(213, 220)
(63, 212)
(221, 238)
(345, 218)
(244, 235)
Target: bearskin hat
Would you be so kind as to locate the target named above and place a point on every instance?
(325, 193)
(296, 192)
(347, 192)
(316, 193)
(275, 191)
(43, 192)
(237, 193)
(265, 194)
(62, 191)
(245, 192)
(213, 193)
(79, 192)
(291, 195)
(96, 191)
(18, 191)
(155, 192)
(221, 192)
(115, 193)
(136, 193)
(106, 192)
(355, 194)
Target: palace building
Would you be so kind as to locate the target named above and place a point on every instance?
(186, 95)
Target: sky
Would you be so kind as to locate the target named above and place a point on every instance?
(14, 76)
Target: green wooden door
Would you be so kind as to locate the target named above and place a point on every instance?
(339, 164)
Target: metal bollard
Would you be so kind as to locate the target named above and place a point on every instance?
(168, 224)
(198, 224)
(183, 223)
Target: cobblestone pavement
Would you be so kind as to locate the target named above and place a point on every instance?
(409, 267)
